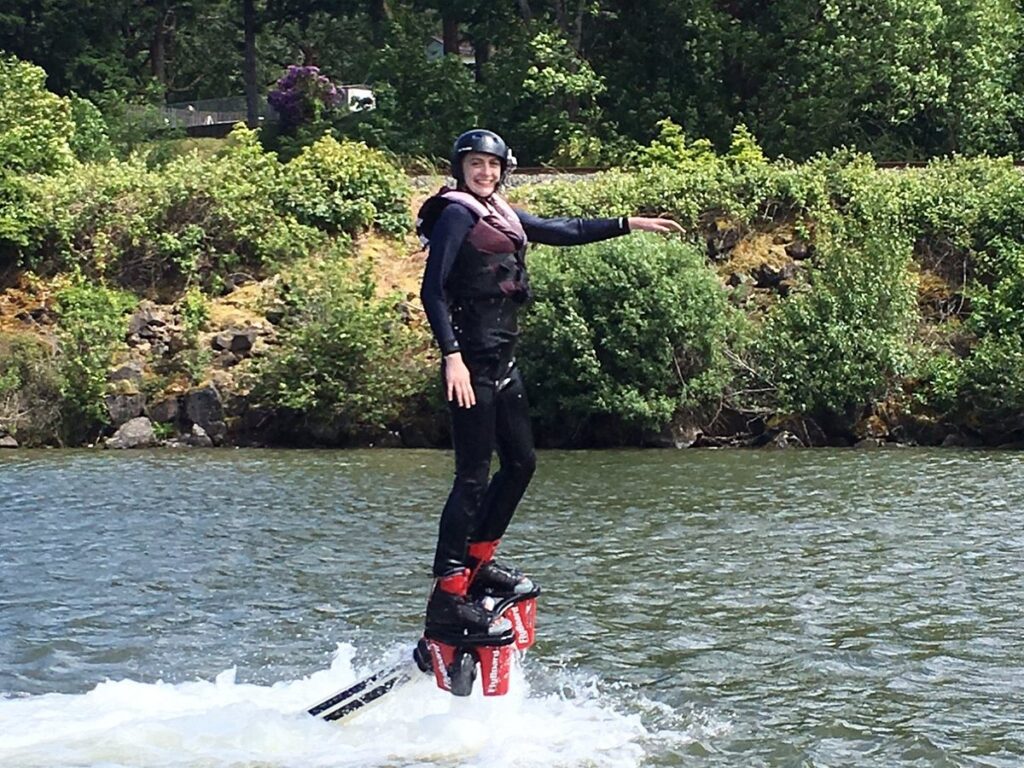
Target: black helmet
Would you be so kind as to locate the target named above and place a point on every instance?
(487, 142)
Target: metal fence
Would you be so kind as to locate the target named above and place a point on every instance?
(231, 110)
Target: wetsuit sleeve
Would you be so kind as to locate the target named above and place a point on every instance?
(450, 230)
(570, 231)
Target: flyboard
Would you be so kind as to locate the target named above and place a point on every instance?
(452, 658)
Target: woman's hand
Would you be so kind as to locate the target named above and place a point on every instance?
(457, 382)
(642, 224)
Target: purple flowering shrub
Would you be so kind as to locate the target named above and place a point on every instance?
(303, 95)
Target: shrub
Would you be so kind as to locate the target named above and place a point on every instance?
(842, 343)
(673, 177)
(345, 363)
(36, 126)
(29, 389)
(346, 187)
(92, 325)
(194, 311)
(194, 220)
(991, 394)
(303, 94)
(631, 331)
(90, 142)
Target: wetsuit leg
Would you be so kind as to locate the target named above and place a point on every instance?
(514, 439)
(473, 437)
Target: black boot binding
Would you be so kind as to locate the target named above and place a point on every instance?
(452, 613)
(492, 579)
(488, 578)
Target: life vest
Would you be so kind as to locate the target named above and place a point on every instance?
(492, 260)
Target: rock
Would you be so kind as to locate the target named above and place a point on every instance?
(37, 316)
(959, 440)
(203, 407)
(769, 275)
(124, 407)
(679, 435)
(806, 429)
(123, 387)
(165, 411)
(135, 433)
(147, 321)
(225, 359)
(798, 250)
(131, 371)
(8, 441)
(869, 442)
(785, 439)
(198, 438)
(236, 340)
(276, 313)
(238, 280)
(721, 242)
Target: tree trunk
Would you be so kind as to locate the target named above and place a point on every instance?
(525, 11)
(577, 39)
(158, 46)
(158, 55)
(450, 25)
(249, 65)
(481, 54)
(380, 15)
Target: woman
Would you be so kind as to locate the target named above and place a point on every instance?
(473, 285)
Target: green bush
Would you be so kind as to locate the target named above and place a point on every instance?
(630, 332)
(345, 363)
(36, 126)
(92, 325)
(90, 142)
(346, 187)
(989, 386)
(36, 135)
(30, 389)
(991, 393)
(194, 310)
(194, 220)
(673, 177)
(843, 343)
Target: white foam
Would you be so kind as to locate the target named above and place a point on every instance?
(203, 724)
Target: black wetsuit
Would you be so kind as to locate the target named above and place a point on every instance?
(472, 297)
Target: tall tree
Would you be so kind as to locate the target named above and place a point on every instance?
(249, 24)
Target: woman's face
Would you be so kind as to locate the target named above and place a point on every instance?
(482, 173)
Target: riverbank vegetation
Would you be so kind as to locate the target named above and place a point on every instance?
(228, 296)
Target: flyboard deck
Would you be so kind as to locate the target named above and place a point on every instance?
(349, 701)
(451, 659)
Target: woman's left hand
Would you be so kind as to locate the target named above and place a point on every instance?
(642, 224)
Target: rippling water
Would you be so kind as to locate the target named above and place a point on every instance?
(707, 608)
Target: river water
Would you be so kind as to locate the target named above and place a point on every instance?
(701, 608)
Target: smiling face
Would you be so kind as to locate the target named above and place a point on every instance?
(482, 173)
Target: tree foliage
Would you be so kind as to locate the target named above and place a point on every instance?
(574, 80)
